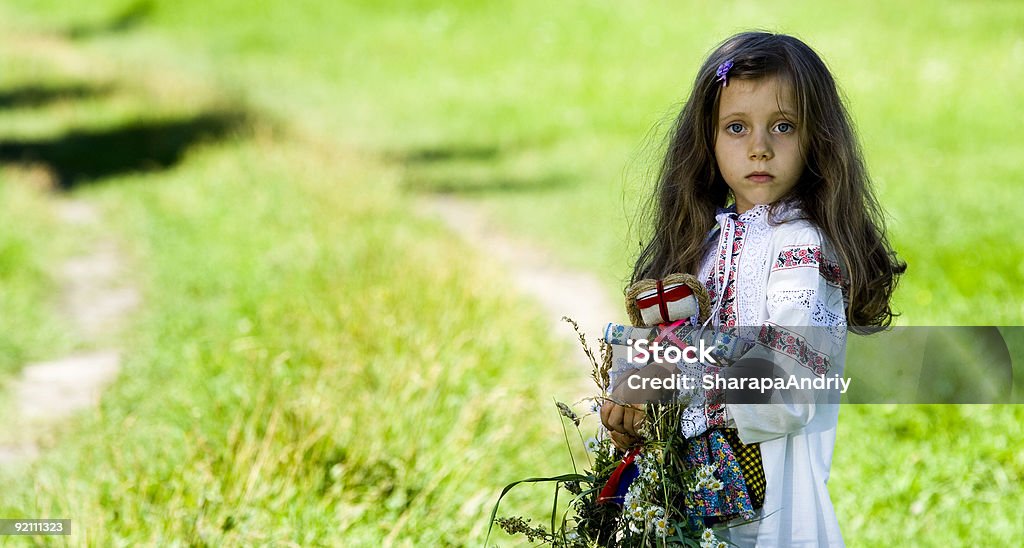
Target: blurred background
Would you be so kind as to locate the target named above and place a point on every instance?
(227, 204)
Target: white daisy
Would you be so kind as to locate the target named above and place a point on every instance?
(660, 527)
(655, 512)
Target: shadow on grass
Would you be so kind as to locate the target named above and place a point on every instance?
(418, 182)
(32, 96)
(86, 155)
(470, 169)
(431, 155)
(129, 18)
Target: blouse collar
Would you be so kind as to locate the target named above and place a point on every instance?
(784, 211)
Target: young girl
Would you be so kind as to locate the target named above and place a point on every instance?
(763, 192)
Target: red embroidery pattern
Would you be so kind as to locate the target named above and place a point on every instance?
(809, 256)
(716, 415)
(794, 346)
(727, 315)
(833, 274)
(797, 256)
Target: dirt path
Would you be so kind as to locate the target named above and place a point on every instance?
(95, 296)
(537, 273)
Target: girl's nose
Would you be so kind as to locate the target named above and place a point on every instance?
(760, 148)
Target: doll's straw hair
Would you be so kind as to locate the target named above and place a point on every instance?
(641, 286)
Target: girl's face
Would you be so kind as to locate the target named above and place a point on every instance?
(757, 143)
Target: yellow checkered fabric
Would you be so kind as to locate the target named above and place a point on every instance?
(749, 457)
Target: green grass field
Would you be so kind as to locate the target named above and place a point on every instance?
(315, 365)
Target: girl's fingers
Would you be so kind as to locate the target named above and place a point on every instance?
(618, 418)
(632, 420)
(627, 421)
(615, 418)
(606, 410)
(622, 441)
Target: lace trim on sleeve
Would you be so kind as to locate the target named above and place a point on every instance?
(794, 298)
(834, 324)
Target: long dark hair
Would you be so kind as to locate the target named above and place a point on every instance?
(834, 190)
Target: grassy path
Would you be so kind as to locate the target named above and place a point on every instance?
(95, 298)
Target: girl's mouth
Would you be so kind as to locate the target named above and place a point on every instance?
(760, 177)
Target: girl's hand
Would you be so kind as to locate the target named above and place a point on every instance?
(622, 419)
(623, 442)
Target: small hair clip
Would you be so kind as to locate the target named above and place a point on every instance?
(723, 72)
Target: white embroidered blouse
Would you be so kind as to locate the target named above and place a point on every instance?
(781, 276)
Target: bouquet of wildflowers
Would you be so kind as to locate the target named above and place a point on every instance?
(624, 499)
